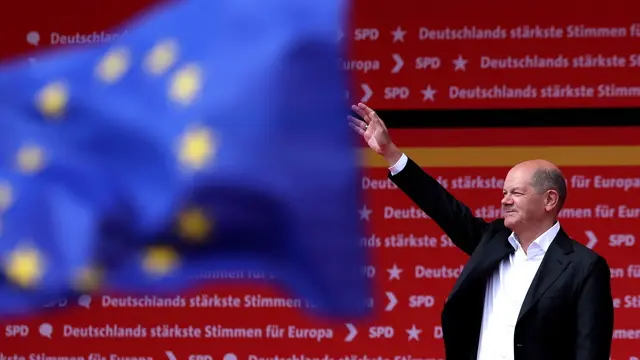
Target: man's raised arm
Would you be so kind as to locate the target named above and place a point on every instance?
(453, 217)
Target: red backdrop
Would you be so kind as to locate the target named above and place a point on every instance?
(414, 264)
(414, 54)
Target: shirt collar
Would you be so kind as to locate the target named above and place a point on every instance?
(543, 241)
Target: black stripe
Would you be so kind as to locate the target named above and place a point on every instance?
(510, 118)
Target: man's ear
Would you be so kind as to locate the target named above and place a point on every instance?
(551, 199)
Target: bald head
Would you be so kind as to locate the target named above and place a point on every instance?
(544, 176)
(533, 195)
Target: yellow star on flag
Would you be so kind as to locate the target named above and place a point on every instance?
(24, 267)
(160, 260)
(161, 57)
(186, 84)
(88, 279)
(193, 225)
(6, 196)
(52, 99)
(113, 65)
(30, 159)
(197, 148)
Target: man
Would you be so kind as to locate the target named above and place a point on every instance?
(528, 291)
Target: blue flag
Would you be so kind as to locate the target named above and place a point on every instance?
(210, 138)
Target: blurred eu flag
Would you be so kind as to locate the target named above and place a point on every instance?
(211, 138)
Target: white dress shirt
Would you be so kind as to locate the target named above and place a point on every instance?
(505, 290)
(505, 293)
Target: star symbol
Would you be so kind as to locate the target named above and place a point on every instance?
(113, 65)
(88, 279)
(24, 267)
(160, 260)
(460, 63)
(193, 225)
(186, 84)
(364, 213)
(394, 272)
(428, 93)
(161, 57)
(30, 159)
(414, 333)
(6, 196)
(52, 99)
(398, 34)
(197, 148)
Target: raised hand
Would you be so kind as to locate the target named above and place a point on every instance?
(371, 128)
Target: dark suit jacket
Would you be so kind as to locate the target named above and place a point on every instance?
(567, 313)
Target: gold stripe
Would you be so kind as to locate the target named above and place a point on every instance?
(507, 156)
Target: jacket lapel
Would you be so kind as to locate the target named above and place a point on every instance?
(483, 261)
(555, 262)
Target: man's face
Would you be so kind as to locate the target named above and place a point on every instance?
(521, 204)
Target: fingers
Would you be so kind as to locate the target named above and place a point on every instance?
(357, 125)
(367, 110)
(364, 111)
(357, 122)
(357, 129)
(360, 112)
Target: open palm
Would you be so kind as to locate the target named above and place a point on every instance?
(371, 128)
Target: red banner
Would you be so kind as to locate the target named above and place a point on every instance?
(414, 265)
(469, 54)
(414, 54)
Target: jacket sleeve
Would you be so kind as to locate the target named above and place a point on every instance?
(595, 314)
(451, 215)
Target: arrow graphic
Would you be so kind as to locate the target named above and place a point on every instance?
(367, 92)
(352, 332)
(399, 63)
(393, 301)
(593, 240)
